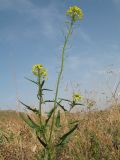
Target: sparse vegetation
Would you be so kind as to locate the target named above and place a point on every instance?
(97, 137)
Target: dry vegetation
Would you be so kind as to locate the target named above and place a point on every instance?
(97, 137)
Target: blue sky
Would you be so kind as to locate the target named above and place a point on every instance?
(31, 31)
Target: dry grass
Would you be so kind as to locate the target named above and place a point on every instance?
(97, 138)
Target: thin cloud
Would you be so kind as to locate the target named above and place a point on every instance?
(86, 37)
(15, 5)
(44, 18)
(77, 61)
(74, 62)
(116, 1)
(115, 46)
(115, 71)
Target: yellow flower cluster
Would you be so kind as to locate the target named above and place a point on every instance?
(75, 13)
(77, 97)
(38, 69)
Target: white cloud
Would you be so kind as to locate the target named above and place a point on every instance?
(86, 37)
(77, 61)
(115, 46)
(45, 18)
(74, 62)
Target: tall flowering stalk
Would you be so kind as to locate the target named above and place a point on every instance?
(75, 14)
(52, 143)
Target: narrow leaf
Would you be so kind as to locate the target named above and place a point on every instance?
(31, 109)
(42, 83)
(64, 139)
(62, 107)
(65, 99)
(45, 89)
(29, 121)
(58, 120)
(79, 104)
(74, 122)
(48, 101)
(31, 80)
(42, 142)
(58, 103)
(33, 123)
(49, 114)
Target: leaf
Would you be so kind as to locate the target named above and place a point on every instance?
(33, 123)
(45, 89)
(31, 80)
(64, 139)
(49, 114)
(42, 83)
(42, 142)
(79, 104)
(48, 101)
(30, 122)
(58, 103)
(62, 107)
(65, 99)
(58, 120)
(74, 122)
(31, 109)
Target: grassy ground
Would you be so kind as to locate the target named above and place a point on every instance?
(97, 138)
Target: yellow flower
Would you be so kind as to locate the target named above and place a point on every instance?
(38, 69)
(76, 97)
(43, 72)
(75, 13)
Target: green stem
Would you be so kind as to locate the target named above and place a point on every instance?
(59, 78)
(40, 97)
